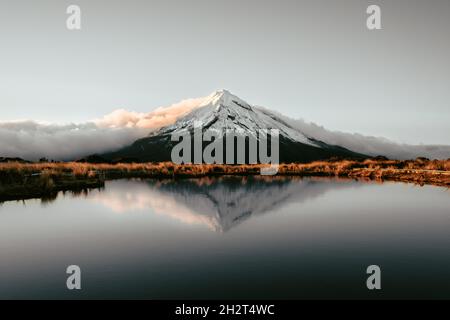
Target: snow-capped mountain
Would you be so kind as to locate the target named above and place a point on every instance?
(220, 112)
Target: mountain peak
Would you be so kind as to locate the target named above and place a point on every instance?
(222, 92)
(223, 98)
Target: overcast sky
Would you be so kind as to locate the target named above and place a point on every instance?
(312, 59)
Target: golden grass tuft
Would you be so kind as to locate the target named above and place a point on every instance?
(50, 174)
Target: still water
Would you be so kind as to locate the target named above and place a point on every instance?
(229, 237)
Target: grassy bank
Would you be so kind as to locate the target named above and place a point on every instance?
(29, 180)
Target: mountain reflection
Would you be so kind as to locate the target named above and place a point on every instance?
(219, 203)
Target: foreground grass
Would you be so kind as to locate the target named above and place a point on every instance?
(29, 180)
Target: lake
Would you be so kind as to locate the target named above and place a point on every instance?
(229, 237)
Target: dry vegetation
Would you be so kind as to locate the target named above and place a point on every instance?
(25, 180)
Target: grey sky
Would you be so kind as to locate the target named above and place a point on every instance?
(306, 59)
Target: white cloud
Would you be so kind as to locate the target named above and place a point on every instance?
(32, 140)
(367, 144)
(156, 119)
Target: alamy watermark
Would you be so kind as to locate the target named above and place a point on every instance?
(73, 22)
(233, 141)
(374, 280)
(373, 21)
(73, 282)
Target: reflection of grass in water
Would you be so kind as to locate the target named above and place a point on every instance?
(24, 180)
(76, 193)
(44, 180)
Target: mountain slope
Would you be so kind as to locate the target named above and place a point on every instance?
(223, 111)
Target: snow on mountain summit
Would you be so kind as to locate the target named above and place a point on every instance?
(223, 110)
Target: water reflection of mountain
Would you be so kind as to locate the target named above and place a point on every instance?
(220, 203)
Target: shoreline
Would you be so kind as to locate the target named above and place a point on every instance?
(21, 181)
